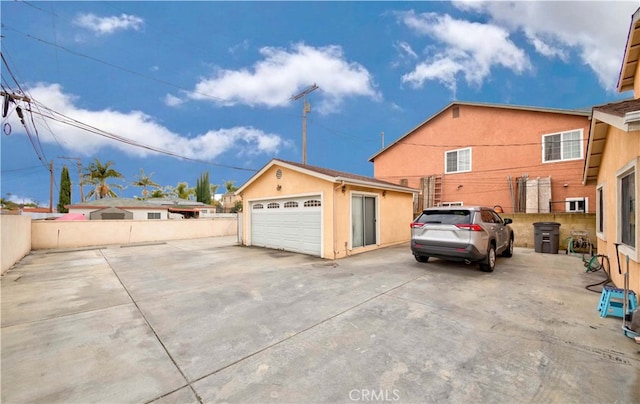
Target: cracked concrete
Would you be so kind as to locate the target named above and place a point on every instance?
(209, 321)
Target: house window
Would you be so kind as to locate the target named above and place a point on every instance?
(258, 206)
(562, 146)
(204, 211)
(627, 208)
(273, 205)
(404, 182)
(455, 112)
(291, 204)
(153, 215)
(600, 210)
(451, 204)
(457, 161)
(576, 205)
(312, 203)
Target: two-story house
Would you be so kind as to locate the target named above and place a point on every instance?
(514, 158)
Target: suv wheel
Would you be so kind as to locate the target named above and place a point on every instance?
(509, 251)
(421, 258)
(489, 263)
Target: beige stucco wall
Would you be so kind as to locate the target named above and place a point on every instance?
(394, 209)
(72, 234)
(15, 239)
(504, 142)
(621, 149)
(523, 228)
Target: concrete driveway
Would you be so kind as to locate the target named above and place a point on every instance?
(209, 321)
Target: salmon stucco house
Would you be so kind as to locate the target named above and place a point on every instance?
(322, 212)
(612, 164)
(521, 159)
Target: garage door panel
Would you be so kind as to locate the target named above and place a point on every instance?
(295, 229)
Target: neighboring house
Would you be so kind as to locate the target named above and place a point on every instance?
(321, 212)
(612, 164)
(119, 209)
(229, 201)
(523, 159)
(184, 208)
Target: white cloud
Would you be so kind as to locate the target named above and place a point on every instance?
(284, 72)
(109, 25)
(140, 127)
(242, 46)
(405, 49)
(21, 200)
(468, 48)
(596, 30)
(173, 101)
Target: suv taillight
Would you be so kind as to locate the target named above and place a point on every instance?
(470, 227)
(416, 225)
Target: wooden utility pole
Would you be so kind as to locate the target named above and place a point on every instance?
(306, 108)
(51, 187)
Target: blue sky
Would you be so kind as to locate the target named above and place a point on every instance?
(211, 82)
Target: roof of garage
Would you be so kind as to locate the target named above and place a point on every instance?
(327, 175)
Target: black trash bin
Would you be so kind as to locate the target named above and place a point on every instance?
(546, 237)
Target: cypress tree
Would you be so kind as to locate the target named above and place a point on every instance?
(65, 191)
(203, 189)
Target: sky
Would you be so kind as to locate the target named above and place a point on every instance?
(178, 89)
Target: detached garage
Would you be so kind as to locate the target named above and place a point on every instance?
(326, 213)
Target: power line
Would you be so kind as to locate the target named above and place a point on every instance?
(59, 117)
(124, 69)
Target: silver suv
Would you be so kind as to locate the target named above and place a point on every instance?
(462, 233)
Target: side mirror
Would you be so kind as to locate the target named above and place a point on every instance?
(507, 221)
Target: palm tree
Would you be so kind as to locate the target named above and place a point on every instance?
(161, 193)
(229, 186)
(183, 191)
(145, 181)
(96, 175)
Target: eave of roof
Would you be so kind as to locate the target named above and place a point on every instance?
(577, 112)
(627, 76)
(624, 115)
(328, 175)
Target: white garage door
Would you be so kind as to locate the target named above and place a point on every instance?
(292, 224)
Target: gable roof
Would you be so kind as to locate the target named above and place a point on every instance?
(627, 76)
(128, 203)
(327, 175)
(576, 112)
(624, 115)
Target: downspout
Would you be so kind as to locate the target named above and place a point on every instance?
(335, 221)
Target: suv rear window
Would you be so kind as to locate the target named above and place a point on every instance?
(458, 216)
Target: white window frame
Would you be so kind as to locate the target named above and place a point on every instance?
(567, 205)
(150, 214)
(377, 217)
(562, 143)
(457, 151)
(600, 212)
(631, 167)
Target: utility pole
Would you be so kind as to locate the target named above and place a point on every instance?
(306, 108)
(51, 187)
(79, 162)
